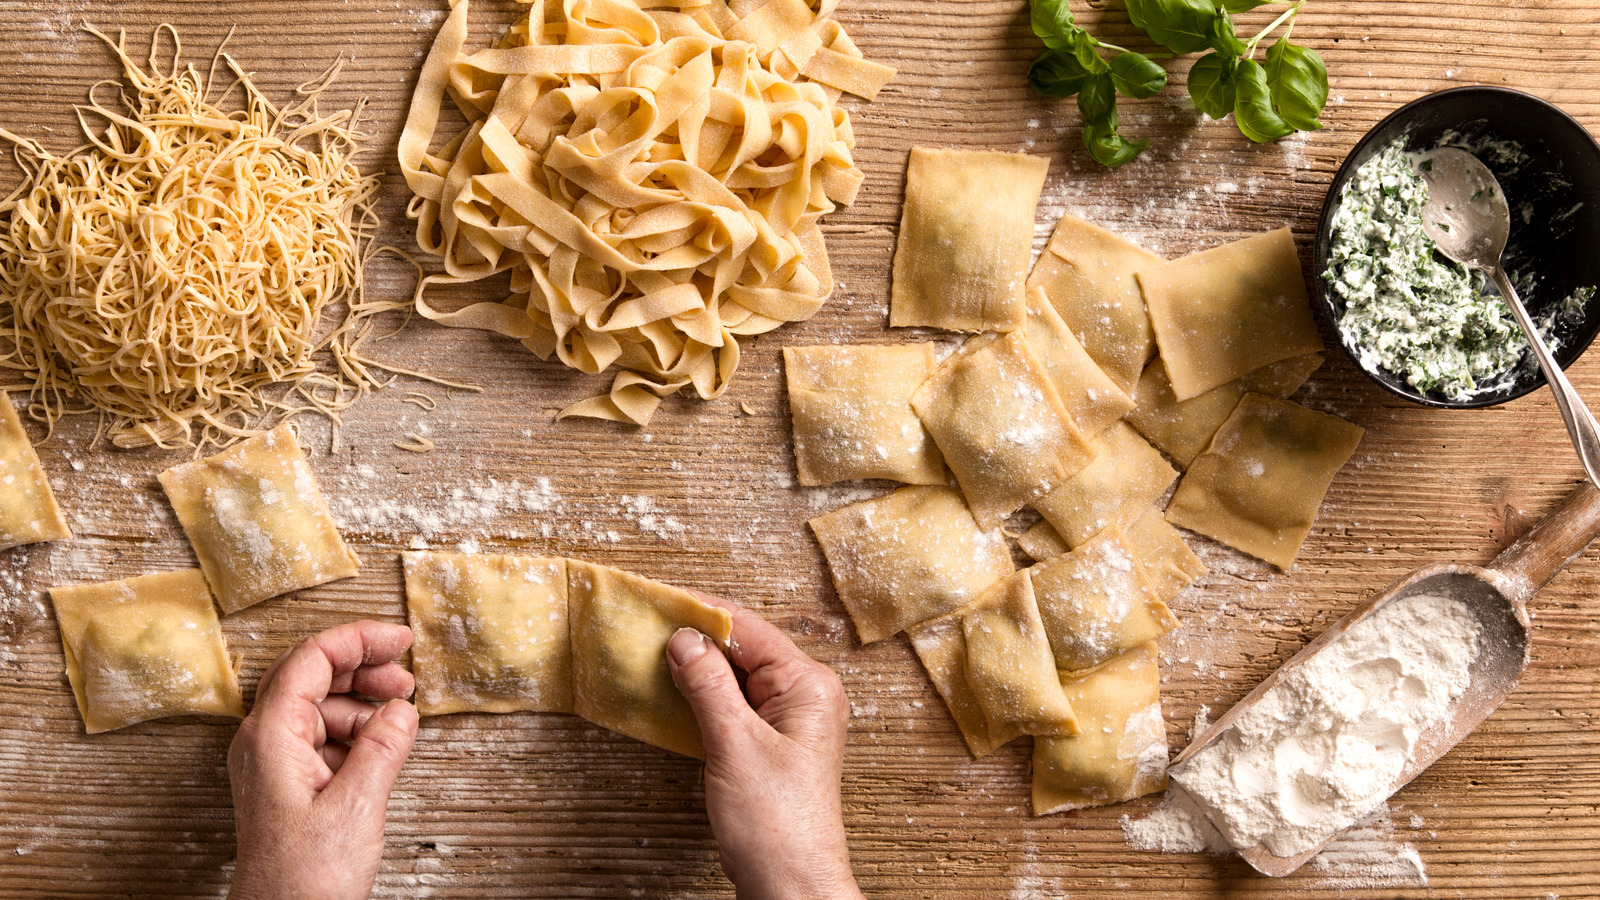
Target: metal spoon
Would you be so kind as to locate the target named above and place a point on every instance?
(1467, 218)
(1497, 596)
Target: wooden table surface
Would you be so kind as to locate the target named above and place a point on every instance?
(549, 806)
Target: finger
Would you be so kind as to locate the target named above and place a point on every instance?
(387, 681)
(334, 755)
(705, 678)
(756, 643)
(306, 672)
(377, 752)
(343, 716)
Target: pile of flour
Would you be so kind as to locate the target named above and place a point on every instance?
(1323, 748)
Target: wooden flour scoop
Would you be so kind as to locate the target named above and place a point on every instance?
(1496, 595)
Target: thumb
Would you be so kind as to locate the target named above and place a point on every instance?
(376, 754)
(706, 680)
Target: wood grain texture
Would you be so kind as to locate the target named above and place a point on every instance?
(547, 806)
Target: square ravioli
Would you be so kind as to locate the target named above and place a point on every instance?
(941, 644)
(1097, 602)
(1258, 487)
(1001, 427)
(145, 648)
(1009, 664)
(1230, 310)
(1122, 751)
(489, 633)
(28, 510)
(1127, 475)
(966, 238)
(1088, 274)
(257, 521)
(1183, 428)
(908, 557)
(620, 624)
(851, 407)
(1163, 554)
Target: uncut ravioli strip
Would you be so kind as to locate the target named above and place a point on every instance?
(966, 237)
(907, 557)
(1097, 602)
(145, 648)
(1258, 487)
(1122, 751)
(1087, 273)
(941, 644)
(1183, 428)
(1127, 475)
(620, 624)
(1010, 667)
(1001, 427)
(257, 521)
(1224, 312)
(489, 633)
(28, 510)
(851, 408)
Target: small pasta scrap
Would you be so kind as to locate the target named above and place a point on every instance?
(650, 173)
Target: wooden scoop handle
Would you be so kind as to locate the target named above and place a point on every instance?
(1546, 549)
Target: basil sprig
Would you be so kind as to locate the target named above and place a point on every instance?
(1268, 101)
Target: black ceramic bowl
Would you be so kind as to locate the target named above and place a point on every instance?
(1557, 239)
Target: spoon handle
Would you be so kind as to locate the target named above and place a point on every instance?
(1581, 426)
(1545, 550)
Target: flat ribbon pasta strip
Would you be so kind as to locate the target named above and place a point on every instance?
(650, 173)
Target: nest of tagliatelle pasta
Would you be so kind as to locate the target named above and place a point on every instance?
(651, 175)
(172, 273)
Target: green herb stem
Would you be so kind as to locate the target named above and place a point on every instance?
(1288, 14)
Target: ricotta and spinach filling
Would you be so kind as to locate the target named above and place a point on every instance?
(1407, 309)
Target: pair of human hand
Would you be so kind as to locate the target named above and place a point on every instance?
(312, 766)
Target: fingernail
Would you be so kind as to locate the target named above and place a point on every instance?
(686, 646)
(401, 714)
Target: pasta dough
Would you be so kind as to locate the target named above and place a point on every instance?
(145, 648)
(1163, 554)
(652, 174)
(851, 407)
(620, 625)
(1009, 664)
(1088, 275)
(1097, 603)
(1041, 542)
(1228, 311)
(1127, 475)
(28, 510)
(941, 644)
(966, 237)
(1121, 753)
(1258, 486)
(257, 521)
(1001, 427)
(489, 633)
(1183, 429)
(908, 557)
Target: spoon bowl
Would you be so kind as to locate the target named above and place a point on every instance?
(1496, 595)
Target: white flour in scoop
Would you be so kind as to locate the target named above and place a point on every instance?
(1323, 748)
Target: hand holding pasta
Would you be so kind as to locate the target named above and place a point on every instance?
(312, 766)
(774, 754)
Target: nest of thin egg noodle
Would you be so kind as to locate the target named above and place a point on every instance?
(172, 274)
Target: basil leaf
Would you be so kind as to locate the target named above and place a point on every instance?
(1057, 73)
(1134, 75)
(1182, 26)
(1234, 6)
(1109, 148)
(1252, 110)
(1299, 83)
(1211, 84)
(1087, 49)
(1223, 40)
(1097, 100)
(1052, 21)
